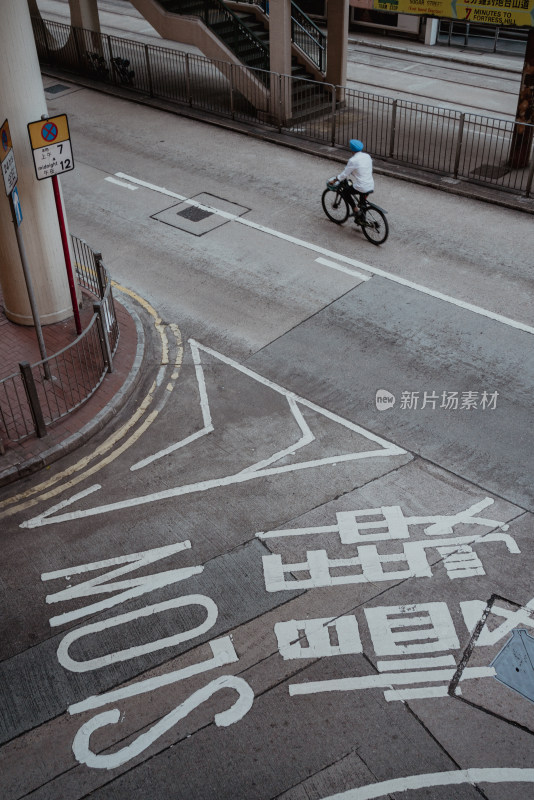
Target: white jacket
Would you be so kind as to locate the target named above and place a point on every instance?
(360, 170)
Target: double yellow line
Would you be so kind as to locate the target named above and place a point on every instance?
(81, 470)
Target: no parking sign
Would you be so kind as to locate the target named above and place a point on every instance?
(52, 151)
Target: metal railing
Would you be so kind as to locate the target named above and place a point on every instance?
(460, 145)
(29, 400)
(305, 34)
(308, 37)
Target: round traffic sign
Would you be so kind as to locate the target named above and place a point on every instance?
(49, 131)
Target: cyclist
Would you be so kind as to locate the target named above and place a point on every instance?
(359, 170)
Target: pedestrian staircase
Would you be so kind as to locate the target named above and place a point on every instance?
(242, 31)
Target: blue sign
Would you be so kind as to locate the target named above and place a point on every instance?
(16, 205)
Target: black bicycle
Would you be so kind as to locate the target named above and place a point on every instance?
(97, 66)
(121, 70)
(339, 203)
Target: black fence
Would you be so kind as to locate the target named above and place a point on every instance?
(463, 146)
(41, 393)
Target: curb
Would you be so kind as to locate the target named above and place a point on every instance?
(76, 440)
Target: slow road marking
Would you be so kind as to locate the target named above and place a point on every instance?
(472, 776)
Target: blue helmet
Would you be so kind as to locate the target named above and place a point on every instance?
(355, 145)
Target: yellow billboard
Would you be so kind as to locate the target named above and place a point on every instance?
(494, 12)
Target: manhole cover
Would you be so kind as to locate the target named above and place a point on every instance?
(57, 87)
(514, 664)
(491, 171)
(208, 213)
(194, 214)
(500, 643)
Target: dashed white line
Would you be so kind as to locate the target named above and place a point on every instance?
(121, 183)
(483, 312)
(332, 264)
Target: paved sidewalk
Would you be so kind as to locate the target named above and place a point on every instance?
(19, 343)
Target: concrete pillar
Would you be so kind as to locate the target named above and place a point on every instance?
(337, 24)
(280, 58)
(22, 100)
(521, 148)
(431, 30)
(280, 36)
(84, 14)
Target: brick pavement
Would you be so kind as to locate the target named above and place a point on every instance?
(19, 343)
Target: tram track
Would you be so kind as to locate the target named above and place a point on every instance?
(429, 80)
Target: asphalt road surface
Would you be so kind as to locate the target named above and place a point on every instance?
(299, 563)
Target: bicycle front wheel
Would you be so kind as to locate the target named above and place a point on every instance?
(335, 206)
(375, 225)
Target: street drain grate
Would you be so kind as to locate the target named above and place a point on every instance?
(490, 171)
(194, 214)
(203, 217)
(57, 87)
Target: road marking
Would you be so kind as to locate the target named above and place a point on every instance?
(386, 679)
(252, 472)
(121, 183)
(293, 399)
(417, 663)
(223, 652)
(325, 262)
(472, 776)
(22, 499)
(464, 305)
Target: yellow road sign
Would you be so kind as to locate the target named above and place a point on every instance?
(48, 131)
(5, 141)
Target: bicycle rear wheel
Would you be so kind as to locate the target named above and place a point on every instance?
(375, 225)
(335, 206)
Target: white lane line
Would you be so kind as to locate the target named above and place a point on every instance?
(386, 679)
(423, 693)
(483, 312)
(451, 778)
(202, 486)
(121, 183)
(388, 446)
(325, 262)
(417, 663)
(171, 448)
(306, 438)
(256, 470)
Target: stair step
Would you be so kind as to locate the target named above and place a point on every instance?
(250, 53)
(177, 7)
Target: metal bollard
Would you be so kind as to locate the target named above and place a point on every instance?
(103, 335)
(33, 399)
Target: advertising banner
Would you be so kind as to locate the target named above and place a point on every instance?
(493, 12)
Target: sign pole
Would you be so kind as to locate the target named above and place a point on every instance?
(52, 155)
(10, 176)
(66, 252)
(29, 287)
